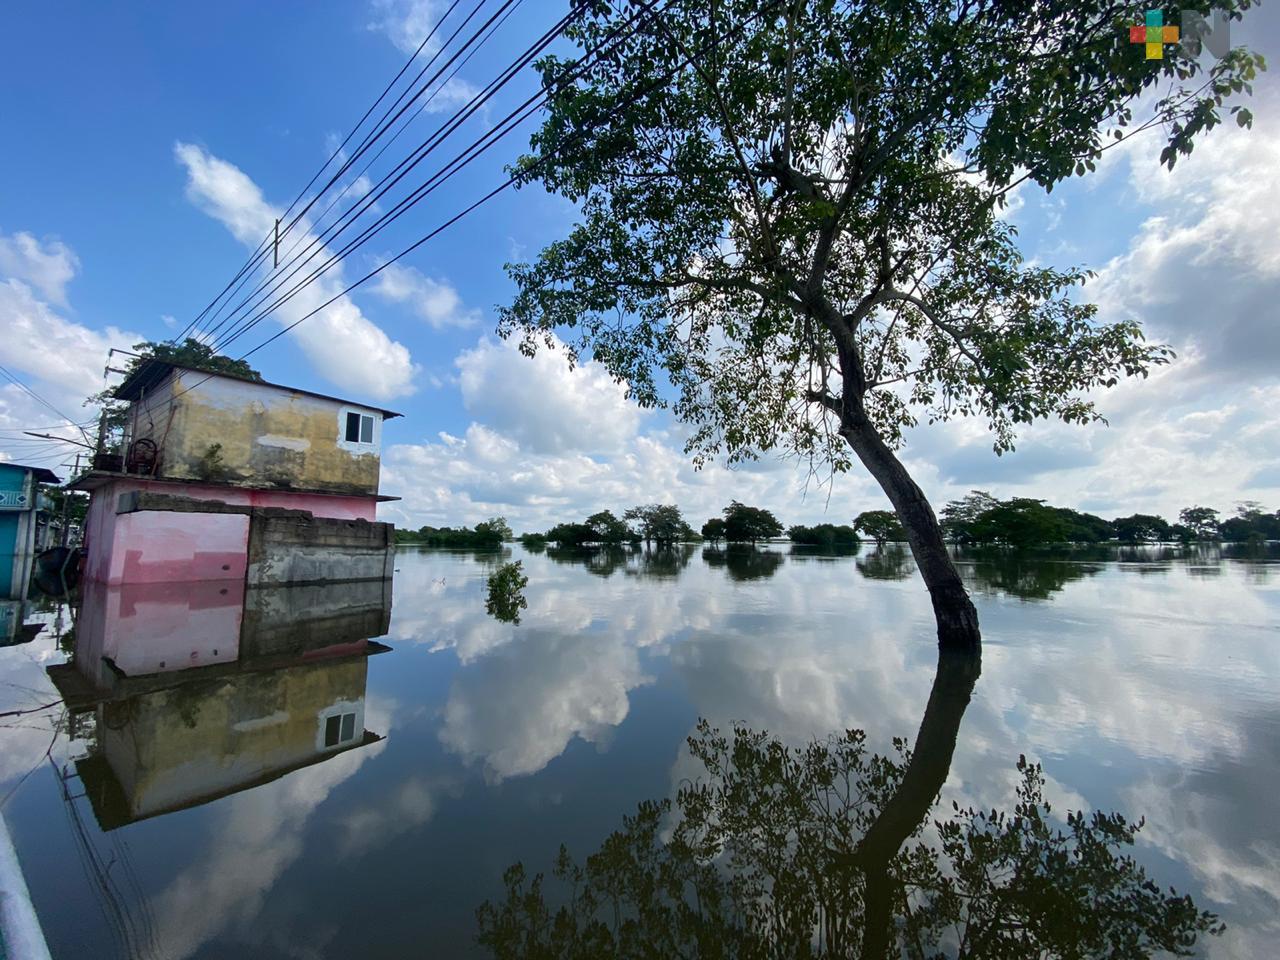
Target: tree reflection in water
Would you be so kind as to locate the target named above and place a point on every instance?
(1028, 575)
(744, 562)
(828, 851)
(890, 562)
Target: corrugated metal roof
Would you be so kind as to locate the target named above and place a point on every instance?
(151, 373)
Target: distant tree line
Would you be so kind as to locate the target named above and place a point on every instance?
(489, 533)
(976, 519)
(980, 518)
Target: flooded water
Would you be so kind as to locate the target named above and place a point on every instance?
(291, 796)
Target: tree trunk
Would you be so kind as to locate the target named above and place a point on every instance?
(952, 609)
(910, 804)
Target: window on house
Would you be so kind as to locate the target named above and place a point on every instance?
(359, 428)
(339, 729)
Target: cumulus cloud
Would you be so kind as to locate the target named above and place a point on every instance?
(545, 404)
(58, 359)
(1205, 270)
(342, 344)
(406, 23)
(47, 267)
(434, 301)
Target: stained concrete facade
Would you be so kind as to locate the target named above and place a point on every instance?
(225, 430)
(223, 478)
(149, 531)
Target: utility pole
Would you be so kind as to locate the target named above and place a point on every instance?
(275, 253)
(66, 501)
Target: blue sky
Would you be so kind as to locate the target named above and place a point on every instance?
(147, 147)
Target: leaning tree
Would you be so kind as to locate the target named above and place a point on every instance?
(789, 223)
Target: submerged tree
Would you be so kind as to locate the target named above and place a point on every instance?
(505, 597)
(880, 525)
(744, 524)
(660, 523)
(789, 213)
(825, 851)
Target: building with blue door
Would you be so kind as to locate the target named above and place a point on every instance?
(19, 508)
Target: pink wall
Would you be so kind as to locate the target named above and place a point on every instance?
(158, 627)
(157, 546)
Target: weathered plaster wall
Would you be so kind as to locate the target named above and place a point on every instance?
(292, 550)
(264, 436)
(153, 628)
(179, 746)
(319, 504)
(313, 617)
(117, 548)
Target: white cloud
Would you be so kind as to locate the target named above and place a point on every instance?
(406, 23)
(543, 403)
(58, 359)
(342, 344)
(47, 267)
(435, 301)
(1205, 270)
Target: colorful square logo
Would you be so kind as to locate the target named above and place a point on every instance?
(1153, 34)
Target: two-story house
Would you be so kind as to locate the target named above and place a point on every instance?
(226, 478)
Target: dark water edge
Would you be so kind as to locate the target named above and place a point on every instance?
(1145, 680)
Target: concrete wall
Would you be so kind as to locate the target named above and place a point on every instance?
(266, 436)
(313, 617)
(298, 550)
(155, 546)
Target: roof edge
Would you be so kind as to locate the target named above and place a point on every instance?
(152, 372)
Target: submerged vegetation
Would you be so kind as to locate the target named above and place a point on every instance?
(978, 519)
(487, 534)
(506, 597)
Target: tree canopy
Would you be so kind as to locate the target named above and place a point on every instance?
(880, 525)
(660, 523)
(748, 524)
(789, 223)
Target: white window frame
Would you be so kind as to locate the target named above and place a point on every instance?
(372, 445)
(340, 711)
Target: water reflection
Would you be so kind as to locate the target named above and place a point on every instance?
(890, 561)
(743, 562)
(819, 851)
(1151, 695)
(198, 691)
(1018, 574)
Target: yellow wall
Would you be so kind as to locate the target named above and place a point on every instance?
(182, 745)
(266, 436)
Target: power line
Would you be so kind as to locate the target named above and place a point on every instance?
(402, 169)
(505, 126)
(421, 108)
(261, 252)
(22, 386)
(686, 60)
(260, 256)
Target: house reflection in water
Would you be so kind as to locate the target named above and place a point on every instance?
(203, 690)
